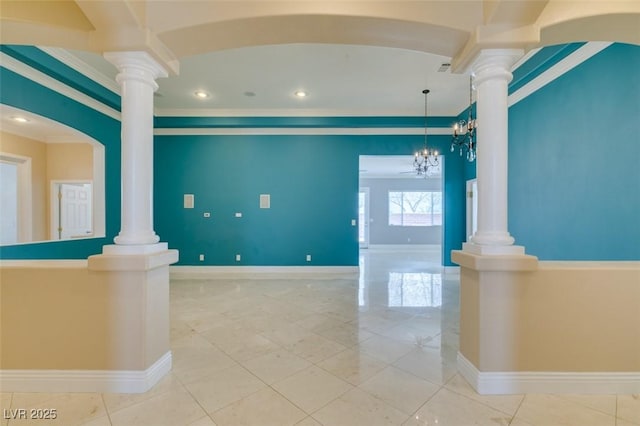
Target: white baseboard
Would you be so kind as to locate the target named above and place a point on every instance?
(63, 381)
(263, 272)
(519, 382)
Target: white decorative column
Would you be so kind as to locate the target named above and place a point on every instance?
(492, 74)
(138, 72)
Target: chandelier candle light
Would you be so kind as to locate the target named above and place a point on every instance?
(464, 132)
(425, 159)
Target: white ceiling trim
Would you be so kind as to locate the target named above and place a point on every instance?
(36, 76)
(82, 67)
(565, 65)
(302, 131)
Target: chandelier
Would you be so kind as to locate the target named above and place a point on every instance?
(425, 159)
(464, 132)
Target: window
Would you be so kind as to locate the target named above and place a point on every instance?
(415, 208)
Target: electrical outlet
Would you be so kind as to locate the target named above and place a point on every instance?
(308, 258)
(207, 214)
(238, 214)
(201, 257)
(238, 257)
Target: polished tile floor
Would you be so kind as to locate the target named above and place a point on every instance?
(378, 350)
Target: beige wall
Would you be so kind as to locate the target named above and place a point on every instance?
(37, 151)
(69, 161)
(562, 317)
(113, 315)
(53, 161)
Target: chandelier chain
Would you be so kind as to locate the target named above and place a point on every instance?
(425, 160)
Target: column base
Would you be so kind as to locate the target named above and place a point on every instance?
(488, 250)
(136, 239)
(119, 249)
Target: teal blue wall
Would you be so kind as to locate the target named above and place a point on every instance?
(41, 61)
(574, 156)
(574, 189)
(313, 182)
(22, 93)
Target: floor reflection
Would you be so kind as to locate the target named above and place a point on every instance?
(409, 278)
(415, 289)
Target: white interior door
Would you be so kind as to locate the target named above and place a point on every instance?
(9, 202)
(74, 220)
(363, 217)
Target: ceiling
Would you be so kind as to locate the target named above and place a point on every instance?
(261, 80)
(339, 80)
(365, 57)
(39, 128)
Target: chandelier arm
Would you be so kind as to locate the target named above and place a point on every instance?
(465, 142)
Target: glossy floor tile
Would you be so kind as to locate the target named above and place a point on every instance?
(377, 350)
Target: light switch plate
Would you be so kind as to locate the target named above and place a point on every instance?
(189, 201)
(265, 201)
(207, 214)
(238, 214)
(353, 222)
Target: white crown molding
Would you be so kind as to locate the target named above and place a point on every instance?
(64, 381)
(36, 76)
(554, 382)
(262, 272)
(293, 112)
(301, 131)
(82, 67)
(568, 63)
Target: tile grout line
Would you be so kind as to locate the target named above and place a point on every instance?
(106, 409)
(517, 409)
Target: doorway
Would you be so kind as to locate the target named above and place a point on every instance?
(363, 218)
(472, 208)
(398, 209)
(15, 189)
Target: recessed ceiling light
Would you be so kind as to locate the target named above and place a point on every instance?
(201, 94)
(300, 93)
(20, 119)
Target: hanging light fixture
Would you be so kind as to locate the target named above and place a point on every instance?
(425, 159)
(464, 132)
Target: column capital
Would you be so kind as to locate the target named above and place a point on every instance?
(494, 63)
(138, 66)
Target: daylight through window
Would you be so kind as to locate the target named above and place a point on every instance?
(413, 208)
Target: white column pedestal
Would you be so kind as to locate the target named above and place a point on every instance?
(117, 249)
(488, 249)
